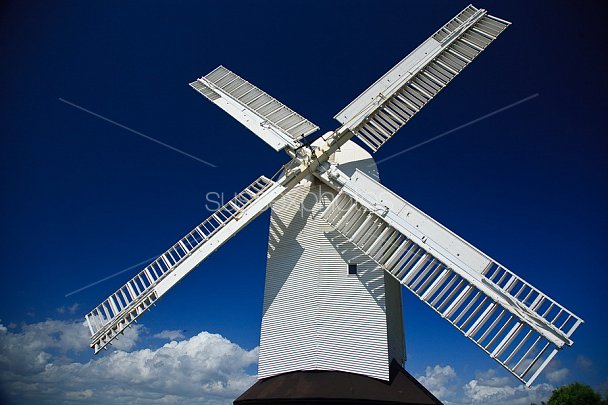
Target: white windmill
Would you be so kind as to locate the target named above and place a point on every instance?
(340, 242)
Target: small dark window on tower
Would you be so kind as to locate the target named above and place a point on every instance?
(352, 268)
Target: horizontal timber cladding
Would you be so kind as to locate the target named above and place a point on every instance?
(316, 316)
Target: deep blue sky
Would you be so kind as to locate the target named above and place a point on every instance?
(83, 199)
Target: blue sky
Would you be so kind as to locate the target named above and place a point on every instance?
(83, 199)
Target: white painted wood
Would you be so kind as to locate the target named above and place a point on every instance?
(274, 122)
(316, 316)
(388, 104)
(109, 321)
(355, 112)
(482, 284)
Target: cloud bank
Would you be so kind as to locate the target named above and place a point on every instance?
(37, 366)
(50, 362)
(170, 335)
(489, 387)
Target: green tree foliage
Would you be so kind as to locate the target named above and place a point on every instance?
(576, 394)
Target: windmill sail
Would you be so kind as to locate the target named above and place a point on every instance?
(388, 104)
(119, 310)
(512, 321)
(274, 122)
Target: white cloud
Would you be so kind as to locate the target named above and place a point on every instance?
(128, 339)
(170, 335)
(37, 366)
(28, 351)
(555, 372)
(75, 395)
(557, 376)
(583, 362)
(2, 327)
(491, 388)
(439, 380)
(69, 309)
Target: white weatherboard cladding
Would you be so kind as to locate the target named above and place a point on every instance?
(352, 157)
(316, 316)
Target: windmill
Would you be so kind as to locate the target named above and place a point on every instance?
(341, 243)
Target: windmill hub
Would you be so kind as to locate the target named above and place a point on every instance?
(341, 245)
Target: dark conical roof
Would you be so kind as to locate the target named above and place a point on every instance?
(318, 387)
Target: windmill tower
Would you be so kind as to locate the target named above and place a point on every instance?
(341, 244)
(327, 306)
